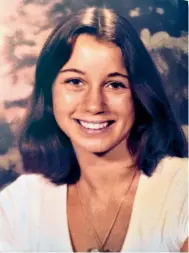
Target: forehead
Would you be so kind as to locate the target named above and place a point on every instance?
(90, 52)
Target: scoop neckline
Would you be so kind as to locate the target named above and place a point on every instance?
(129, 231)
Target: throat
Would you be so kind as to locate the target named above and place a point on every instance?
(109, 218)
(100, 181)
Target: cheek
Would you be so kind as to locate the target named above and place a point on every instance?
(64, 101)
(123, 105)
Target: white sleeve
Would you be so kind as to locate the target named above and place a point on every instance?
(183, 223)
(15, 215)
(183, 217)
(12, 215)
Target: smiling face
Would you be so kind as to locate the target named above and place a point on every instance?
(92, 100)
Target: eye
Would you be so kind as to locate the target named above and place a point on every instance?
(74, 81)
(116, 85)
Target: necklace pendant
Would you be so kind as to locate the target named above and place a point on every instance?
(93, 250)
(98, 250)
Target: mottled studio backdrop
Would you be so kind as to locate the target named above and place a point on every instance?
(24, 26)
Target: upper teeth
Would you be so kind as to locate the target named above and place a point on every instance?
(94, 125)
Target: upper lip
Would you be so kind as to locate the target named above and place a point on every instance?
(95, 121)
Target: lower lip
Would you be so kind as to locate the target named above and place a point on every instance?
(95, 131)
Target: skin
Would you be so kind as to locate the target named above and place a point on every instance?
(185, 246)
(94, 96)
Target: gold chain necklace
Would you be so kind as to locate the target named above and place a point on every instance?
(102, 244)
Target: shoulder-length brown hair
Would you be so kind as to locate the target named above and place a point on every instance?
(155, 134)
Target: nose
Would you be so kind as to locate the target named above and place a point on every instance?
(94, 101)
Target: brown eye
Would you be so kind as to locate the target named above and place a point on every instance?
(74, 81)
(116, 85)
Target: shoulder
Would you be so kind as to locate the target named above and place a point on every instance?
(21, 186)
(169, 177)
(15, 203)
(26, 189)
(173, 162)
(167, 188)
(22, 205)
(18, 196)
(172, 177)
(173, 185)
(170, 172)
(165, 199)
(172, 168)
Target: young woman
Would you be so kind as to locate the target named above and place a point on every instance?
(103, 150)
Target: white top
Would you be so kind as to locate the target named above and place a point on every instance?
(33, 213)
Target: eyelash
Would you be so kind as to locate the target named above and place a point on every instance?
(121, 85)
(72, 80)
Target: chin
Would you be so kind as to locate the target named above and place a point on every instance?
(99, 146)
(92, 147)
(97, 151)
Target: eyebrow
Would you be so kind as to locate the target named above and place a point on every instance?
(114, 74)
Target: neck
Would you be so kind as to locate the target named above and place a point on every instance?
(102, 171)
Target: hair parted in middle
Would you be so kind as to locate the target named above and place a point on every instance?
(44, 147)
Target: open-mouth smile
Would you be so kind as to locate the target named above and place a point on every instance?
(95, 126)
